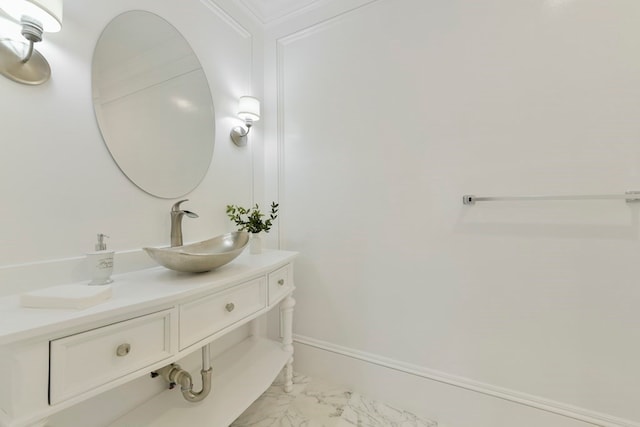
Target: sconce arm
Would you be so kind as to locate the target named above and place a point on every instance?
(32, 31)
(239, 133)
(27, 57)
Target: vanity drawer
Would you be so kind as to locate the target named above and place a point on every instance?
(210, 314)
(280, 283)
(81, 362)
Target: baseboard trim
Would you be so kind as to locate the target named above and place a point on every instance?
(570, 411)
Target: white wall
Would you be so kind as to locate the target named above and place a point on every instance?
(388, 114)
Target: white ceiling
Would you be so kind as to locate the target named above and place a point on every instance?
(271, 10)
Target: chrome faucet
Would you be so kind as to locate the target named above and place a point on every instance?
(176, 222)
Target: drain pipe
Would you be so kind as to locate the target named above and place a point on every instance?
(174, 374)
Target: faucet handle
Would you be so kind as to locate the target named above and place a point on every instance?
(176, 208)
(176, 205)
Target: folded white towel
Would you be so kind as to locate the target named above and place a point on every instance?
(66, 296)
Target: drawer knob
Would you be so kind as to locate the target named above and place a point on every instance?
(281, 282)
(230, 307)
(123, 350)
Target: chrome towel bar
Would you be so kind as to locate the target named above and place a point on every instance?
(629, 196)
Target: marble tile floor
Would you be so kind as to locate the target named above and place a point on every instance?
(316, 403)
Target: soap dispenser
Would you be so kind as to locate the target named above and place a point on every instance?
(100, 263)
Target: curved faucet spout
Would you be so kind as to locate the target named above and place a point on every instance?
(176, 222)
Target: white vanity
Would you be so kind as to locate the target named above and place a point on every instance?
(51, 359)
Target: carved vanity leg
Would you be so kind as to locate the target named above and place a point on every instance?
(286, 314)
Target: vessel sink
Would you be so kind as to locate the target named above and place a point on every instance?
(201, 256)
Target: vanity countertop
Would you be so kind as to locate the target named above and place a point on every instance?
(132, 292)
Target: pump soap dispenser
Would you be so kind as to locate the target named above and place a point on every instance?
(100, 263)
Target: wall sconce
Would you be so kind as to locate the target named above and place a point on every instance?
(249, 111)
(18, 60)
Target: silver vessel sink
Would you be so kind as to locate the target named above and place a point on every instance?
(201, 256)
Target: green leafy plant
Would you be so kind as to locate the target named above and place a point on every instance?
(251, 219)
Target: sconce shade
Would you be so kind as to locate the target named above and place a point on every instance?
(47, 12)
(249, 108)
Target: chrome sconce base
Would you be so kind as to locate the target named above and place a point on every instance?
(35, 71)
(19, 61)
(239, 134)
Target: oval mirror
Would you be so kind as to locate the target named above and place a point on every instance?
(153, 104)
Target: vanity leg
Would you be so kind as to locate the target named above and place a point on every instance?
(286, 316)
(253, 328)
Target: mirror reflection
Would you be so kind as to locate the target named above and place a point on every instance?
(153, 104)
